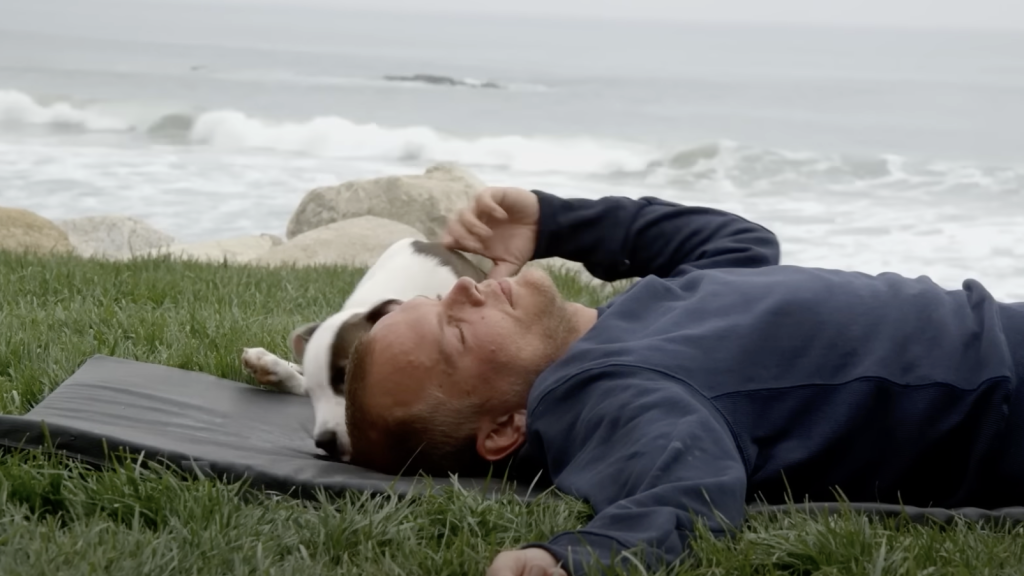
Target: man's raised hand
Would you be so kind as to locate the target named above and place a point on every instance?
(499, 224)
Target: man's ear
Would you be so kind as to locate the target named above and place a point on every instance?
(299, 337)
(499, 438)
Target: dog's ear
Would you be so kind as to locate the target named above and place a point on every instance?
(299, 337)
(381, 310)
(350, 332)
(338, 371)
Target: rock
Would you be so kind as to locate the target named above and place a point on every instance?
(25, 231)
(113, 237)
(423, 202)
(439, 80)
(688, 159)
(353, 242)
(238, 249)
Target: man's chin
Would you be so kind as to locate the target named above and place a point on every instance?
(534, 274)
(541, 293)
(532, 280)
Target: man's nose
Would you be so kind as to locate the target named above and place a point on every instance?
(465, 291)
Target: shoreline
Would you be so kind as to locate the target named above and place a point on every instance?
(348, 224)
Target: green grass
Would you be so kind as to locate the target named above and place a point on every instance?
(57, 517)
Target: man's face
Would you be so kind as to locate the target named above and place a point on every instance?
(473, 344)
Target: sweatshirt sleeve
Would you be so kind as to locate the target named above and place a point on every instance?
(649, 463)
(617, 237)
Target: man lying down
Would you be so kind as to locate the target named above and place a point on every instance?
(719, 377)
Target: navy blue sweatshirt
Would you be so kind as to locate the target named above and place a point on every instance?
(722, 376)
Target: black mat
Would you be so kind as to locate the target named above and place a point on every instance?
(197, 422)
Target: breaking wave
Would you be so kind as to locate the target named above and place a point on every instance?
(716, 166)
(17, 108)
(338, 137)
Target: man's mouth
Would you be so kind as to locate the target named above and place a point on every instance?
(506, 289)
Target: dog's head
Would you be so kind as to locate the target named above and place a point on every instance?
(323, 349)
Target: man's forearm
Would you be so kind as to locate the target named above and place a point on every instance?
(617, 237)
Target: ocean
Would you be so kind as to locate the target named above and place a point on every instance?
(866, 149)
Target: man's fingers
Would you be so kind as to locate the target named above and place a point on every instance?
(536, 570)
(541, 570)
(473, 224)
(487, 203)
(504, 564)
(456, 237)
(525, 563)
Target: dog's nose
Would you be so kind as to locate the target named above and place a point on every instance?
(328, 442)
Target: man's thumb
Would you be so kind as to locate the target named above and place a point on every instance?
(503, 270)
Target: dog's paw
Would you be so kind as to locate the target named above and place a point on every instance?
(272, 371)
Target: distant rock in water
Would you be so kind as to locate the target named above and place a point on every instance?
(687, 159)
(174, 125)
(444, 81)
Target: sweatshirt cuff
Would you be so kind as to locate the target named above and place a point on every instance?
(581, 553)
(585, 231)
(547, 223)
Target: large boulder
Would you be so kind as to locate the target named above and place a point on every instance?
(423, 202)
(25, 231)
(234, 250)
(354, 242)
(113, 237)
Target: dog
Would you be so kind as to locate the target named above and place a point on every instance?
(409, 268)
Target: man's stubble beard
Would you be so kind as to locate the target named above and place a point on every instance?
(557, 326)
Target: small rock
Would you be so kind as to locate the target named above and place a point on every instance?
(353, 242)
(25, 231)
(423, 202)
(234, 250)
(113, 237)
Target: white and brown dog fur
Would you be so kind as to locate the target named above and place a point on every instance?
(407, 269)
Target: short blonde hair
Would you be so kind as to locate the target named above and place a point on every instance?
(437, 438)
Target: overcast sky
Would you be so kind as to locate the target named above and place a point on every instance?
(913, 13)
